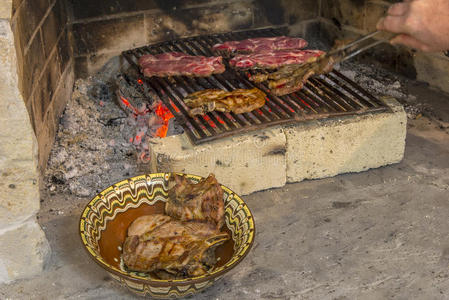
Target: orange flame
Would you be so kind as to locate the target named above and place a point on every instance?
(165, 114)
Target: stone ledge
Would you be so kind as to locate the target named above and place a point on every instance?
(23, 251)
(245, 163)
(341, 145)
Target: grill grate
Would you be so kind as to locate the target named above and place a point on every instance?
(322, 97)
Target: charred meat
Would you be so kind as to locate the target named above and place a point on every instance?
(259, 45)
(177, 63)
(291, 78)
(202, 201)
(237, 101)
(171, 247)
(272, 59)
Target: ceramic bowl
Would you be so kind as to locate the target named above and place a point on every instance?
(105, 220)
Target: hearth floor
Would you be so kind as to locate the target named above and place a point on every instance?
(372, 235)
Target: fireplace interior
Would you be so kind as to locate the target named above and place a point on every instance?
(78, 116)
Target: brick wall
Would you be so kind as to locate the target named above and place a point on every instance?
(103, 31)
(45, 67)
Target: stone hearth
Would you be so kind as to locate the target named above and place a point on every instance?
(276, 156)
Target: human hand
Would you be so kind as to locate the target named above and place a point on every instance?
(421, 24)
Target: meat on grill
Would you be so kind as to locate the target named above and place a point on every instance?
(237, 101)
(177, 63)
(291, 78)
(178, 248)
(202, 201)
(272, 59)
(260, 44)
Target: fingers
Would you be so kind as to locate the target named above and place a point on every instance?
(395, 24)
(410, 42)
(398, 9)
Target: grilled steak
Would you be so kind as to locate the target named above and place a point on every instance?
(289, 79)
(260, 44)
(238, 101)
(272, 59)
(177, 63)
(178, 248)
(202, 201)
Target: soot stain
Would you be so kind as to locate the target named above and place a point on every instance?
(273, 10)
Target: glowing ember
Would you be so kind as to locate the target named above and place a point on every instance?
(304, 102)
(165, 114)
(139, 81)
(174, 106)
(208, 120)
(127, 104)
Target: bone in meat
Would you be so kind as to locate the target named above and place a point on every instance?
(202, 201)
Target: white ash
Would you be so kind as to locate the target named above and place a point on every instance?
(92, 149)
(380, 82)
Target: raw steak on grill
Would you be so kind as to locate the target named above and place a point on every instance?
(238, 101)
(273, 59)
(177, 63)
(260, 44)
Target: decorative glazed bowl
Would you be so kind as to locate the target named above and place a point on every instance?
(105, 220)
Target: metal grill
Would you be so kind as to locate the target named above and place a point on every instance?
(322, 97)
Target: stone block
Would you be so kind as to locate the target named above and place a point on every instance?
(326, 148)
(433, 68)
(244, 163)
(5, 9)
(23, 251)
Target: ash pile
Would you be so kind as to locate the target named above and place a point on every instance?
(381, 82)
(103, 135)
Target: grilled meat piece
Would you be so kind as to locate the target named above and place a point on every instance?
(238, 101)
(272, 59)
(259, 45)
(178, 248)
(202, 201)
(177, 63)
(292, 78)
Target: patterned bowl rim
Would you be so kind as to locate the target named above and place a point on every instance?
(171, 282)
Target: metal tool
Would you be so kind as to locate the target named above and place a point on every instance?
(356, 47)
